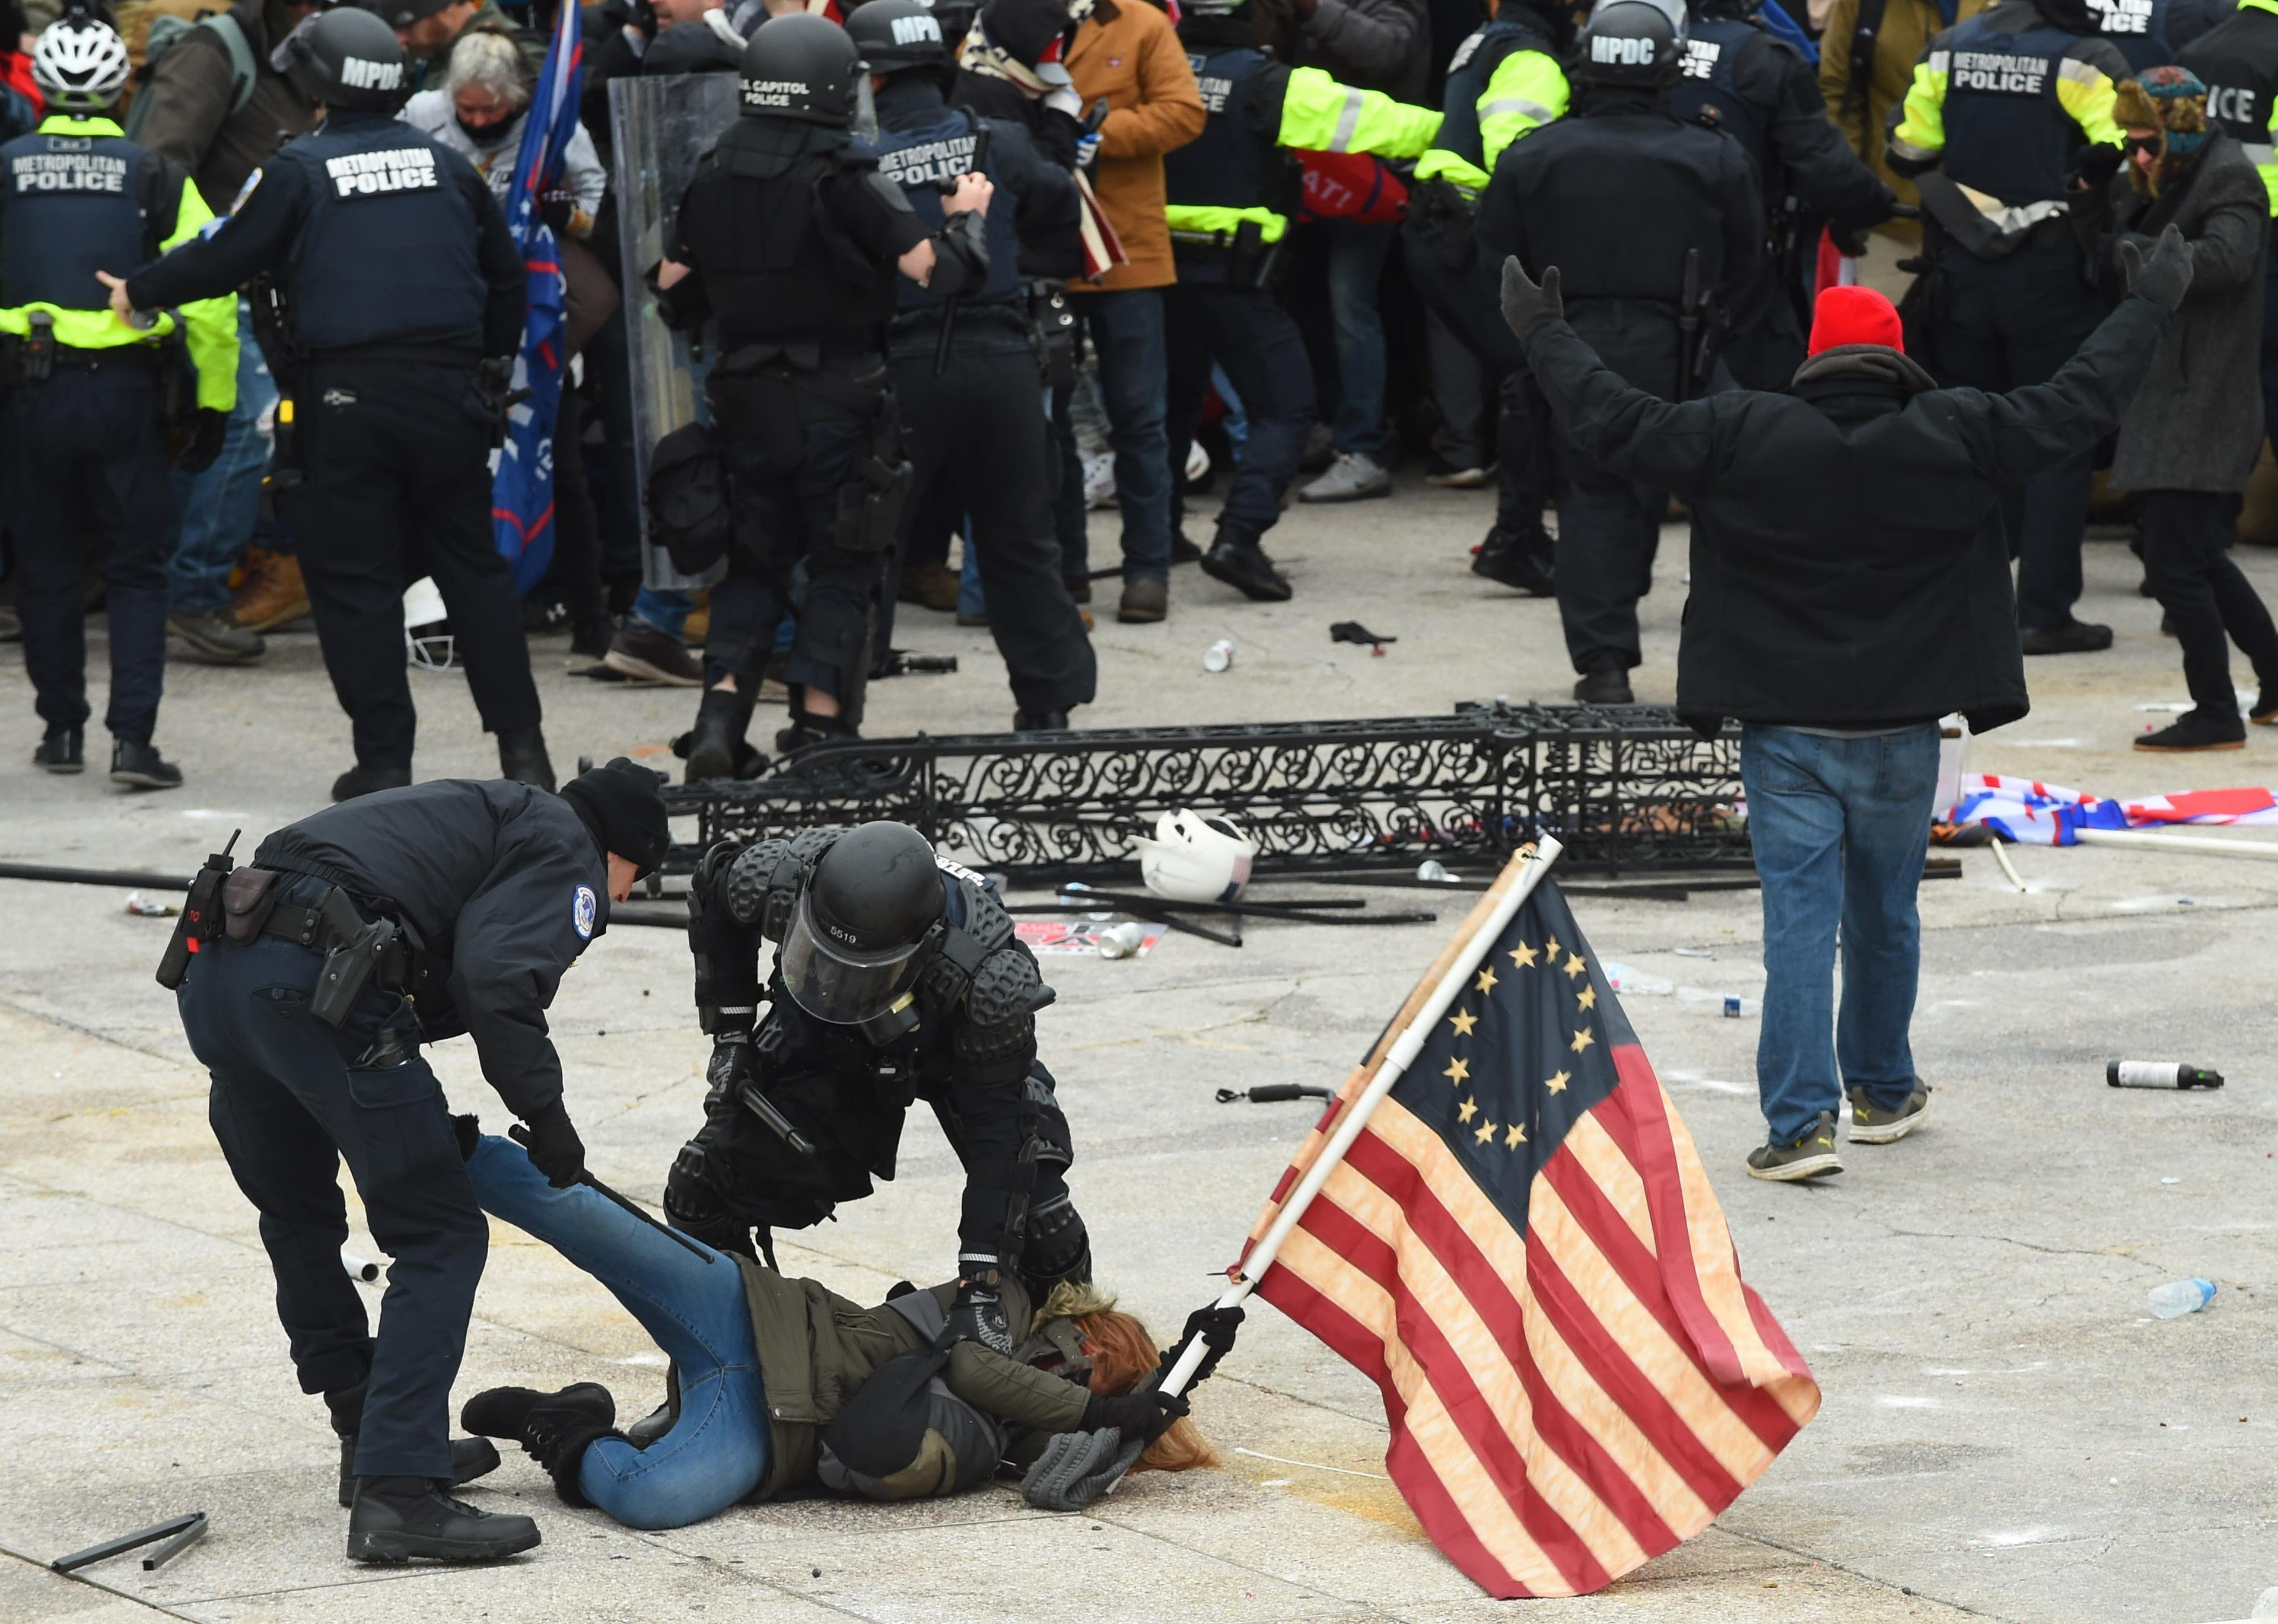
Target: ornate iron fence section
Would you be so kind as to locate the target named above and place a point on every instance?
(1625, 789)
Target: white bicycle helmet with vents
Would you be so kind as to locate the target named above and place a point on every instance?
(81, 65)
(1195, 857)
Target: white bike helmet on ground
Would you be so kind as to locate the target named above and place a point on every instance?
(1195, 857)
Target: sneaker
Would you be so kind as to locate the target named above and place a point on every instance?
(1811, 1156)
(640, 651)
(1448, 477)
(1607, 685)
(1243, 566)
(140, 765)
(2196, 730)
(2072, 637)
(1875, 1124)
(1353, 476)
(396, 1519)
(273, 595)
(62, 750)
(929, 586)
(1145, 601)
(1098, 478)
(215, 636)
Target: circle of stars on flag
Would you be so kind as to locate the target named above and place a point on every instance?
(1523, 957)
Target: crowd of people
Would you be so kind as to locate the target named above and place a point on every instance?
(1233, 240)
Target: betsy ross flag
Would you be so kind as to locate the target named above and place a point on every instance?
(2037, 814)
(522, 490)
(1521, 1248)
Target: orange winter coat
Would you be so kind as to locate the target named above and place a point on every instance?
(1126, 52)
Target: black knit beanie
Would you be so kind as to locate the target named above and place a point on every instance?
(623, 806)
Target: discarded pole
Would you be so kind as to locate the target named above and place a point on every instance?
(2205, 845)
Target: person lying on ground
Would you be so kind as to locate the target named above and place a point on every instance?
(778, 1384)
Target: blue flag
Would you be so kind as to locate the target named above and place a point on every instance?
(522, 492)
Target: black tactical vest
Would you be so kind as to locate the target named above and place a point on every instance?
(2005, 133)
(2138, 27)
(1222, 167)
(388, 254)
(1710, 85)
(70, 206)
(923, 157)
(2237, 61)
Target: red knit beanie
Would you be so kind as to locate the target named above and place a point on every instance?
(1855, 316)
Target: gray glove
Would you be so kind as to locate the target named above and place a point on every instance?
(1077, 1467)
(2163, 276)
(1525, 306)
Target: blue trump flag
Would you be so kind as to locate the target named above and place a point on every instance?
(522, 492)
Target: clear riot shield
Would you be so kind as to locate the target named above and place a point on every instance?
(663, 125)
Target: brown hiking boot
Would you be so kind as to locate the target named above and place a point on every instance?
(273, 595)
(929, 586)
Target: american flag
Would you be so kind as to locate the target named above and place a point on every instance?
(1522, 1250)
(2037, 814)
(522, 491)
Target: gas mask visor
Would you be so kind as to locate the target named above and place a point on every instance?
(836, 982)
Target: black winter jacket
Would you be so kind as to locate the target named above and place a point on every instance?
(501, 885)
(1848, 564)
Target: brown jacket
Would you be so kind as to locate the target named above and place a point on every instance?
(1126, 52)
(1907, 27)
(190, 120)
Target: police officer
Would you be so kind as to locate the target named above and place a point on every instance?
(2001, 110)
(965, 369)
(1653, 222)
(896, 978)
(2237, 61)
(791, 238)
(1748, 82)
(355, 936)
(1504, 81)
(82, 429)
(1229, 195)
(404, 293)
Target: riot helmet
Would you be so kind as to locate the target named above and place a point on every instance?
(80, 64)
(1632, 43)
(801, 67)
(346, 58)
(868, 917)
(897, 37)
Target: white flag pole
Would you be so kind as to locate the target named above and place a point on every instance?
(1530, 867)
(2206, 845)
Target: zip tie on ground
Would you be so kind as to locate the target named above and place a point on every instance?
(1259, 1455)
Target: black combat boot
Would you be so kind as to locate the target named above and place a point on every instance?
(361, 780)
(396, 1519)
(1606, 682)
(471, 1458)
(1243, 566)
(807, 729)
(554, 1427)
(522, 759)
(1040, 722)
(1520, 561)
(717, 748)
(137, 762)
(63, 750)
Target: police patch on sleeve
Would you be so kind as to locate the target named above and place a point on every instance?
(582, 911)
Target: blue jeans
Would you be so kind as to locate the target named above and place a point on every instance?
(1356, 256)
(1127, 333)
(694, 1305)
(215, 511)
(1839, 827)
(664, 608)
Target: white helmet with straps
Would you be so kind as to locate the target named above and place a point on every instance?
(80, 64)
(1195, 857)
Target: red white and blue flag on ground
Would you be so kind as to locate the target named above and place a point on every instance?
(522, 491)
(1522, 1250)
(2033, 813)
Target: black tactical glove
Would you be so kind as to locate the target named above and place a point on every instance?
(2164, 275)
(554, 1149)
(1528, 306)
(731, 1065)
(557, 209)
(1145, 1414)
(2099, 161)
(1216, 1327)
(978, 1313)
(205, 441)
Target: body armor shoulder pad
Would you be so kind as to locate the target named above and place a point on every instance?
(1008, 987)
(763, 881)
(1002, 1041)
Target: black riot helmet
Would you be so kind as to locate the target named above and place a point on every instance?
(346, 57)
(1635, 42)
(800, 67)
(895, 36)
(868, 919)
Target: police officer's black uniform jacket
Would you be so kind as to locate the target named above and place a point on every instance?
(972, 1056)
(383, 240)
(500, 887)
(1614, 195)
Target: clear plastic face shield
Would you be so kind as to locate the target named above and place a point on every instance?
(866, 106)
(841, 984)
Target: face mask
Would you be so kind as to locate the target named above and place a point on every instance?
(482, 134)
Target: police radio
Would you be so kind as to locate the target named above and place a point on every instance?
(200, 918)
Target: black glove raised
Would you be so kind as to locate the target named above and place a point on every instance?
(206, 435)
(2164, 275)
(1528, 306)
(2099, 161)
(554, 1147)
(1145, 1414)
(978, 1313)
(1216, 1327)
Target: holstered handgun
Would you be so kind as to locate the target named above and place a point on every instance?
(1254, 260)
(358, 952)
(39, 355)
(201, 919)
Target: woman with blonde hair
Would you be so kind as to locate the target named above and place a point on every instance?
(778, 1383)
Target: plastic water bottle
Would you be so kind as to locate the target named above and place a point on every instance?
(2178, 1298)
